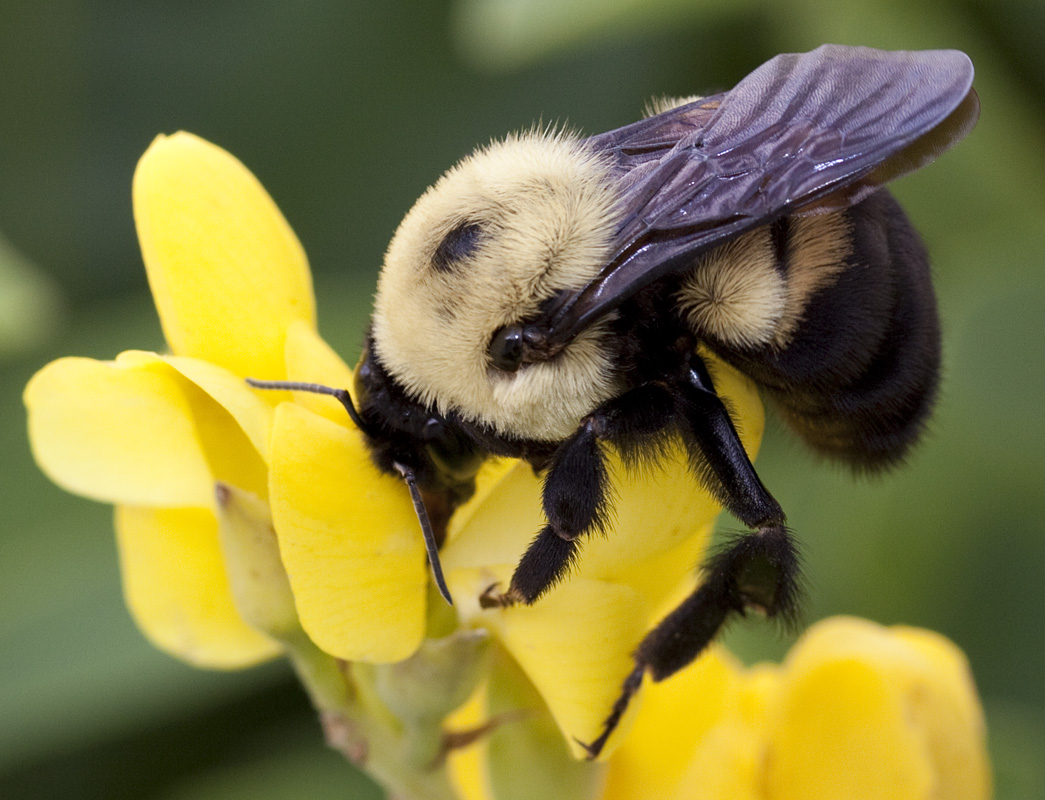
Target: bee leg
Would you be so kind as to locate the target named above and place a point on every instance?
(575, 501)
(757, 571)
(716, 454)
(576, 488)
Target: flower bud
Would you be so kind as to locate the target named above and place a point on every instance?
(259, 583)
(436, 679)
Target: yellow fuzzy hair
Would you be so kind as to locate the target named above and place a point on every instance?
(736, 294)
(545, 208)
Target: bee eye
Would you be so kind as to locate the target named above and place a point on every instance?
(506, 348)
(456, 245)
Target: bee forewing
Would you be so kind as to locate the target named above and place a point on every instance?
(820, 128)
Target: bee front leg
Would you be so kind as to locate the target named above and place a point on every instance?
(577, 487)
(575, 502)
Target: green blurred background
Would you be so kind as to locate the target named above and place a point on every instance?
(346, 111)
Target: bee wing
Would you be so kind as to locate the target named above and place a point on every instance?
(815, 130)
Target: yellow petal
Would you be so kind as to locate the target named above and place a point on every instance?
(575, 647)
(866, 715)
(870, 752)
(676, 716)
(311, 360)
(950, 668)
(349, 538)
(494, 528)
(857, 711)
(252, 414)
(657, 512)
(730, 758)
(116, 434)
(227, 273)
(177, 591)
(951, 719)
(727, 766)
(222, 406)
(493, 479)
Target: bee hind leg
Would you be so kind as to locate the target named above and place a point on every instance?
(755, 571)
(758, 570)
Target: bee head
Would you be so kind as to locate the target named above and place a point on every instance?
(402, 432)
(496, 238)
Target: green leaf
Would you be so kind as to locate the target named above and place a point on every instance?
(507, 34)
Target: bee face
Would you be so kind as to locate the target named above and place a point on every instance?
(501, 233)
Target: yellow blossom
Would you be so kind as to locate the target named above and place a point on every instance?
(855, 711)
(154, 433)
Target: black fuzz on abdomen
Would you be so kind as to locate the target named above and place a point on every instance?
(858, 377)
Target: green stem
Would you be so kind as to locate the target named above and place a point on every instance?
(372, 741)
(319, 672)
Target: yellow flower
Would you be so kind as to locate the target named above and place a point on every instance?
(151, 434)
(856, 711)
(154, 434)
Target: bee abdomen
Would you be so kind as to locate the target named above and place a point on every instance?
(857, 377)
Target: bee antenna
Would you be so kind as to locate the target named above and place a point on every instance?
(426, 529)
(407, 474)
(341, 395)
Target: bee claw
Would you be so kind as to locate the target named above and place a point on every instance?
(493, 598)
(591, 750)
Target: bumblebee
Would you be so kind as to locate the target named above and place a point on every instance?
(551, 295)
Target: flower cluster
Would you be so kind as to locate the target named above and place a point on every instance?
(857, 711)
(253, 523)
